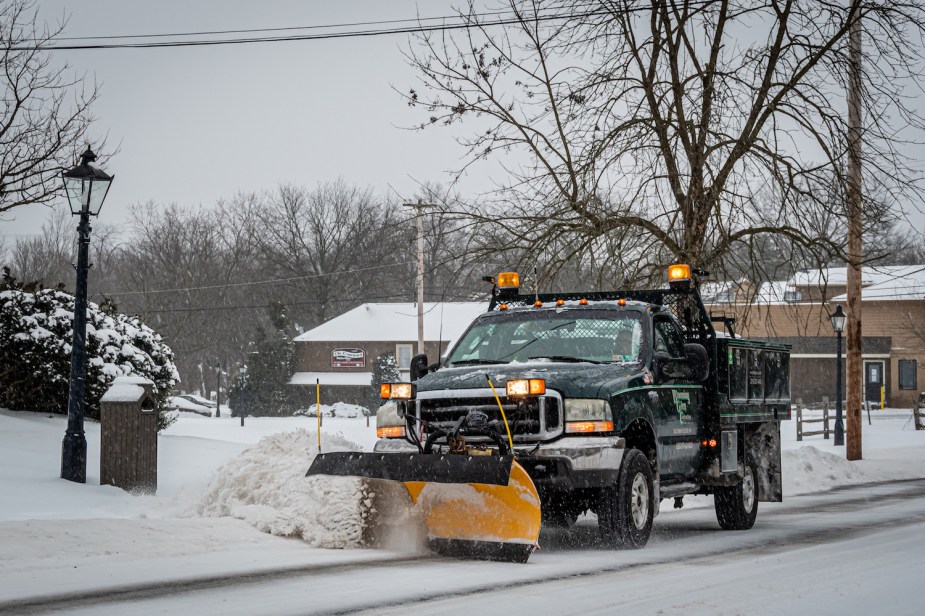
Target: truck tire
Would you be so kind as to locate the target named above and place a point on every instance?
(737, 506)
(625, 510)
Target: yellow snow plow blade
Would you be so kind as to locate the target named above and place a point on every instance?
(480, 520)
(482, 507)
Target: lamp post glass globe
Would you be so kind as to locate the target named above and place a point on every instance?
(86, 188)
(838, 319)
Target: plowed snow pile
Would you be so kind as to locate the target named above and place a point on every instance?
(808, 470)
(266, 486)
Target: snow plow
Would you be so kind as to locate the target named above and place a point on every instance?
(475, 501)
(608, 403)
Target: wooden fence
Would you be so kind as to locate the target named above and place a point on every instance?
(824, 420)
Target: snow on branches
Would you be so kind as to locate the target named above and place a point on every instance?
(35, 351)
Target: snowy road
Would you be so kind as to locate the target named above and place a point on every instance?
(850, 551)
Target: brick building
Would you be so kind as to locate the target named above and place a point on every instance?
(341, 353)
(797, 312)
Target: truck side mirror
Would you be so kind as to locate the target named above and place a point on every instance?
(699, 361)
(667, 368)
(418, 366)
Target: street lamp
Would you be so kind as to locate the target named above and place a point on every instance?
(838, 324)
(86, 188)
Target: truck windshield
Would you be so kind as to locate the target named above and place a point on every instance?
(594, 336)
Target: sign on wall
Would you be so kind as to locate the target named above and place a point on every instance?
(348, 358)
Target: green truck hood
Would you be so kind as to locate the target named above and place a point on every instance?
(572, 380)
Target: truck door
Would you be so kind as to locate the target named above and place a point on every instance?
(679, 411)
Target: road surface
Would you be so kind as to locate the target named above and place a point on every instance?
(856, 550)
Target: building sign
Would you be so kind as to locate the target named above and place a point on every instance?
(348, 358)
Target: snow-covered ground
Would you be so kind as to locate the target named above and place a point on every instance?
(217, 492)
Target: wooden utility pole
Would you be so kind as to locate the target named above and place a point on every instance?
(854, 371)
(419, 206)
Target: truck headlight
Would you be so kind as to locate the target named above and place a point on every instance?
(583, 415)
(388, 422)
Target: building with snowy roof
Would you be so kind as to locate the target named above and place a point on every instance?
(796, 312)
(340, 353)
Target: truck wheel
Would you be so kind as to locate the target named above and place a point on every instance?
(737, 506)
(625, 510)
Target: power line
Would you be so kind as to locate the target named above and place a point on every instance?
(279, 29)
(420, 29)
(304, 303)
(257, 282)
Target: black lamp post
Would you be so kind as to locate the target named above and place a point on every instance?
(86, 188)
(838, 324)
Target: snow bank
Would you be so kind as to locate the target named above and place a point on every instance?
(266, 486)
(809, 470)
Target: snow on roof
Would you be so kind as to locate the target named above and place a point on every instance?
(332, 378)
(387, 322)
(772, 292)
(901, 282)
(878, 282)
(838, 276)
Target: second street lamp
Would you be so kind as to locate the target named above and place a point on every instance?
(838, 324)
(86, 188)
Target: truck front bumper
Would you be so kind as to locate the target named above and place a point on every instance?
(575, 463)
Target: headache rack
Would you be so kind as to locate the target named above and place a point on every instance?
(682, 301)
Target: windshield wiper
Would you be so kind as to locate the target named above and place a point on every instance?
(566, 358)
(477, 362)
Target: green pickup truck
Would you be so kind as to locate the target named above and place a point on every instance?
(613, 401)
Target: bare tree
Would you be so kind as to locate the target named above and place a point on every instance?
(44, 112)
(183, 271)
(661, 125)
(332, 247)
(47, 256)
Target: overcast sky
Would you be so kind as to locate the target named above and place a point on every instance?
(197, 124)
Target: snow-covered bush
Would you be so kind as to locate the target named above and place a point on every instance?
(35, 351)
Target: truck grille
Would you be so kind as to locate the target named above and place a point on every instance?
(534, 419)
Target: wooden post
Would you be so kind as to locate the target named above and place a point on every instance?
(854, 372)
(825, 418)
(799, 422)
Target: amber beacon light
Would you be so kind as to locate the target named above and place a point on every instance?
(508, 280)
(679, 272)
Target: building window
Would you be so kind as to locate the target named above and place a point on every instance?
(907, 369)
(725, 297)
(792, 296)
(403, 354)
